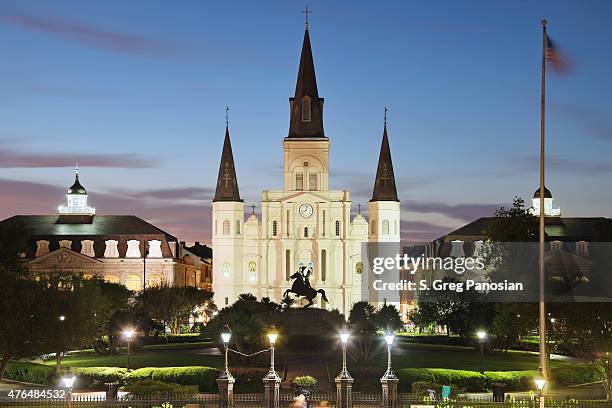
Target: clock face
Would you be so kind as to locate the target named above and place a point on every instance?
(305, 210)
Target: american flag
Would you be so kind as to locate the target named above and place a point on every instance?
(556, 60)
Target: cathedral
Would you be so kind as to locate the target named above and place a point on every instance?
(306, 223)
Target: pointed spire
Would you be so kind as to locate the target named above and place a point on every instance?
(76, 188)
(384, 185)
(306, 105)
(227, 183)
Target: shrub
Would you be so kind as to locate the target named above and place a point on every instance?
(29, 372)
(96, 377)
(468, 380)
(576, 374)
(304, 385)
(203, 377)
(152, 388)
(513, 380)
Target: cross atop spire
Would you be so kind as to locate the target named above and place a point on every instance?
(384, 185)
(306, 12)
(226, 116)
(227, 183)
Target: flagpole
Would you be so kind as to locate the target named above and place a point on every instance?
(542, 349)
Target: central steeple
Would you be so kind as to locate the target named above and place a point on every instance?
(306, 106)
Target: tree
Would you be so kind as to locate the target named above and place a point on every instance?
(513, 320)
(174, 305)
(13, 241)
(249, 320)
(388, 318)
(362, 321)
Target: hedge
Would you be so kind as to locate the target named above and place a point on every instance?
(575, 374)
(152, 388)
(203, 377)
(96, 377)
(468, 380)
(29, 372)
(514, 380)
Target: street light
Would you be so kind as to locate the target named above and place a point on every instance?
(62, 318)
(540, 382)
(226, 335)
(389, 337)
(344, 336)
(272, 336)
(68, 381)
(128, 334)
(482, 335)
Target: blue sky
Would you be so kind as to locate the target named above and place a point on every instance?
(135, 92)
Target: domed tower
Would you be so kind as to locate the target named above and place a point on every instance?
(549, 211)
(77, 199)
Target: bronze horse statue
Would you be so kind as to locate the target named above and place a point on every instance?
(301, 286)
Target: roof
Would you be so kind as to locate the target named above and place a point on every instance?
(77, 188)
(384, 185)
(547, 193)
(203, 251)
(48, 225)
(227, 183)
(306, 87)
(590, 229)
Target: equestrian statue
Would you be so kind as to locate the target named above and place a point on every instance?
(301, 285)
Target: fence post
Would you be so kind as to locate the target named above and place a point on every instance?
(389, 384)
(272, 390)
(344, 390)
(225, 383)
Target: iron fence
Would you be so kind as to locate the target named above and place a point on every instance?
(318, 400)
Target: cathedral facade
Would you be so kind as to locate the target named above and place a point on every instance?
(305, 222)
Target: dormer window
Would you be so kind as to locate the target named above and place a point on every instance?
(306, 109)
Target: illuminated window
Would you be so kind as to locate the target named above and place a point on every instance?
(299, 181)
(274, 228)
(226, 227)
(65, 243)
(306, 109)
(337, 228)
(111, 249)
(154, 249)
(252, 271)
(227, 269)
(312, 181)
(133, 250)
(112, 278)
(133, 282)
(87, 248)
(385, 227)
(42, 247)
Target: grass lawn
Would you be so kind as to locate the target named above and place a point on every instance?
(157, 355)
(417, 355)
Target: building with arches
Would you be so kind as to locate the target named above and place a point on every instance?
(305, 222)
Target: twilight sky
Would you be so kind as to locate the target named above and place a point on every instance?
(135, 92)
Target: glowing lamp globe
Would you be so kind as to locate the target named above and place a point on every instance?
(344, 336)
(389, 339)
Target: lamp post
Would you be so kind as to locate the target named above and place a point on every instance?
(389, 380)
(226, 381)
(68, 381)
(272, 380)
(344, 381)
(128, 334)
(540, 382)
(144, 266)
(482, 335)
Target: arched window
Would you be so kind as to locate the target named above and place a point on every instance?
(305, 232)
(274, 228)
(306, 109)
(133, 282)
(227, 269)
(385, 227)
(299, 180)
(359, 268)
(337, 228)
(312, 180)
(373, 228)
(226, 227)
(237, 227)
